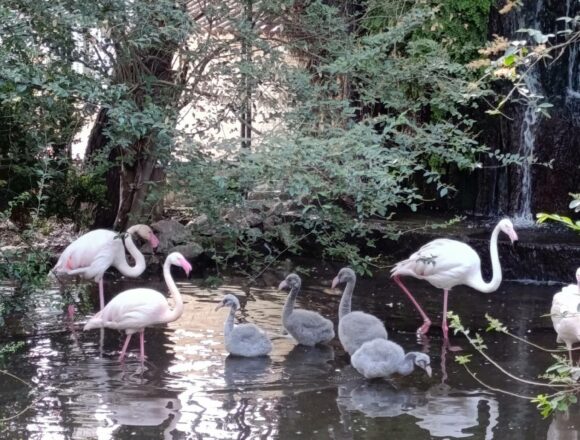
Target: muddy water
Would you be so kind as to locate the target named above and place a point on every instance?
(190, 389)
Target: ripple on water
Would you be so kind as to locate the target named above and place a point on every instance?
(191, 388)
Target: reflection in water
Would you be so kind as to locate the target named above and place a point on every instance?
(136, 406)
(190, 388)
(442, 411)
(241, 371)
(565, 426)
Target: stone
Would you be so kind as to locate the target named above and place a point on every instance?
(253, 219)
(271, 222)
(169, 233)
(201, 225)
(190, 250)
(277, 209)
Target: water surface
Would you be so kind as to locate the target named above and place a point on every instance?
(190, 388)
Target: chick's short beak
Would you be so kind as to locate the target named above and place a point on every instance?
(218, 307)
(428, 370)
(283, 285)
(335, 282)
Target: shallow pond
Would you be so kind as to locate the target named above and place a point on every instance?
(189, 388)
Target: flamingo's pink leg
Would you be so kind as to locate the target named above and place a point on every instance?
(426, 321)
(124, 349)
(142, 339)
(444, 326)
(101, 294)
(71, 312)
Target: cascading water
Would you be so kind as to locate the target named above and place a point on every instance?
(525, 190)
(527, 145)
(529, 125)
(573, 83)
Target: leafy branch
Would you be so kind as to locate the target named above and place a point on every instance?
(561, 376)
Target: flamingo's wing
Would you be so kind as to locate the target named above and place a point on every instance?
(135, 308)
(309, 320)
(439, 257)
(97, 266)
(83, 252)
(251, 340)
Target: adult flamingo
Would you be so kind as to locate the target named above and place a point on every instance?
(564, 314)
(93, 253)
(448, 263)
(135, 309)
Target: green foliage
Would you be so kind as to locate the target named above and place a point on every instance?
(548, 404)
(10, 348)
(561, 376)
(341, 163)
(566, 221)
(27, 271)
(460, 26)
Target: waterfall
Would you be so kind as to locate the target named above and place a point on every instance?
(573, 83)
(528, 128)
(527, 146)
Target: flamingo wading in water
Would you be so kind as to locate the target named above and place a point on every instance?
(565, 314)
(135, 309)
(93, 253)
(448, 263)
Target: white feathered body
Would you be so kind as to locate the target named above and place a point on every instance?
(93, 252)
(356, 328)
(309, 328)
(565, 302)
(132, 311)
(444, 263)
(379, 358)
(248, 340)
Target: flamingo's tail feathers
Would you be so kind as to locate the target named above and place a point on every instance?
(95, 322)
(403, 268)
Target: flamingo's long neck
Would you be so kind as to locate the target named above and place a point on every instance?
(496, 278)
(229, 325)
(289, 304)
(345, 302)
(121, 262)
(177, 310)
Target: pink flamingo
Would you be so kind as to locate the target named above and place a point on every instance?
(135, 309)
(93, 253)
(448, 263)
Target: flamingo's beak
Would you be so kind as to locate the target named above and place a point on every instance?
(513, 236)
(428, 370)
(153, 240)
(218, 307)
(335, 282)
(283, 285)
(186, 266)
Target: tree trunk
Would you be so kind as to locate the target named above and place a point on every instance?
(132, 170)
(105, 211)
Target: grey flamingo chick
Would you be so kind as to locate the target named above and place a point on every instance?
(247, 340)
(355, 328)
(380, 358)
(307, 327)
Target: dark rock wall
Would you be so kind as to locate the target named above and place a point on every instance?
(499, 190)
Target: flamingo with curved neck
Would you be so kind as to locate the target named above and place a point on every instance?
(93, 253)
(448, 263)
(135, 309)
